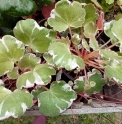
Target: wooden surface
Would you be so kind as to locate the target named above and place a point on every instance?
(79, 108)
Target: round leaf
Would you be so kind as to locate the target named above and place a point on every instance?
(41, 75)
(95, 81)
(11, 50)
(66, 14)
(57, 99)
(25, 80)
(14, 103)
(32, 35)
(62, 56)
(17, 7)
(79, 84)
(29, 61)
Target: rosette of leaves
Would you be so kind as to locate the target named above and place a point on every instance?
(36, 53)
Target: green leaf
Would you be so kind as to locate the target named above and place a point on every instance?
(108, 32)
(109, 1)
(45, 2)
(91, 13)
(64, 59)
(66, 14)
(76, 39)
(17, 7)
(90, 29)
(93, 43)
(14, 103)
(11, 50)
(93, 84)
(29, 61)
(32, 35)
(25, 80)
(41, 75)
(79, 84)
(64, 40)
(36, 92)
(117, 29)
(106, 7)
(58, 98)
(48, 58)
(95, 81)
(114, 72)
(85, 45)
(13, 74)
(110, 55)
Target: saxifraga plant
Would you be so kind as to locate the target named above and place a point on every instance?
(35, 54)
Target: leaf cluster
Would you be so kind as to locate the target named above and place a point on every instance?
(35, 58)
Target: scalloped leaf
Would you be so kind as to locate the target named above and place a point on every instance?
(17, 7)
(66, 14)
(11, 50)
(114, 72)
(29, 61)
(14, 74)
(79, 84)
(91, 13)
(31, 34)
(94, 83)
(41, 75)
(14, 103)
(64, 59)
(58, 98)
